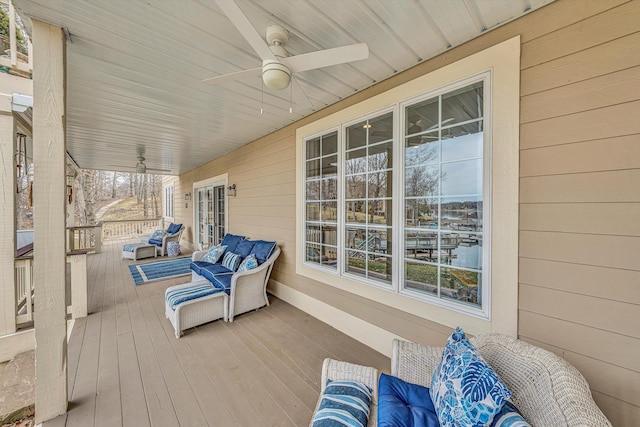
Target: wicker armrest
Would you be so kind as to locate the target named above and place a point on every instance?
(197, 255)
(337, 370)
(414, 363)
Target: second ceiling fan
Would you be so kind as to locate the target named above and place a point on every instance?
(277, 66)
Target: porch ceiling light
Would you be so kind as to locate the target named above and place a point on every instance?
(275, 75)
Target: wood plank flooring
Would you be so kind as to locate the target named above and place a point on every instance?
(126, 368)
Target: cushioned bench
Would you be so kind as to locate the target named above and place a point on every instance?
(136, 251)
(193, 304)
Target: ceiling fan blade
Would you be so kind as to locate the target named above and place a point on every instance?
(238, 75)
(240, 21)
(327, 57)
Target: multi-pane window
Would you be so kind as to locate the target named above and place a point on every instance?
(444, 196)
(321, 200)
(168, 201)
(367, 198)
(439, 198)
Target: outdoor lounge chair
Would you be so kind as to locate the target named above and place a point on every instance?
(161, 238)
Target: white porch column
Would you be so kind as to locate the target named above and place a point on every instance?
(49, 205)
(7, 217)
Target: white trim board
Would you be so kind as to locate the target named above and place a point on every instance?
(373, 336)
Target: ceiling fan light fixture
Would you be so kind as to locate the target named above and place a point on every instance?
(276, 76)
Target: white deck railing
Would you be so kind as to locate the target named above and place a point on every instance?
(85, 238)
(25, 289)
(129, 228)
(16, 60)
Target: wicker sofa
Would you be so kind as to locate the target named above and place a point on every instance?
(547, 390)
(247, 290)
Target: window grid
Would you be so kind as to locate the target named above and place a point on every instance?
(446, 237)
(368, 199)
(437, 242)
(321, 200)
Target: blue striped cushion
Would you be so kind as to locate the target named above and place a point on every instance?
(178, 296)
(509, 416)
(343, 403)
(231, 261)
(132, 247)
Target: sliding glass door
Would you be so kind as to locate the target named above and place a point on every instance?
(210, 215)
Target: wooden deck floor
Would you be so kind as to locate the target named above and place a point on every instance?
(126, 368)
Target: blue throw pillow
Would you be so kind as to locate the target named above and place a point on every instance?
(343, 403)
(174, 228)
(158, 234)
(262, 250)
(231, 241)
(464, 389)
(249, 263)
(213, 254)
(509, 416)
(231, 261)
(402, 404)
(244, 248)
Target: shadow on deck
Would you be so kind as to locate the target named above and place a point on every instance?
(126, 367)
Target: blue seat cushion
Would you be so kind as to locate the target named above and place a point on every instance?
(157, 242)
(222, 281)
(178, 296)
(402, 404)
(231, 241)
(262, 250)
(214, 268)
(245, 247)
(197, 266)
(174, 228)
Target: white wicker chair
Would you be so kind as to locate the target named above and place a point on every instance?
(162, 250)
(546, 388)
(337, 370)
(248, 288)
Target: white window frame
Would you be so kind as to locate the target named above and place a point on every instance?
(503, 60)
(169, 202)
(484, 311)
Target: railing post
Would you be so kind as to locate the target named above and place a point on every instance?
(98, 237)
(78, 285)
(13, 43)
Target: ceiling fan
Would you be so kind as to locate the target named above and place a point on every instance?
(277, 66)
(141, 166)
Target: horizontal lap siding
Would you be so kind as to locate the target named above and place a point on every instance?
(579, 195)
(579, 291)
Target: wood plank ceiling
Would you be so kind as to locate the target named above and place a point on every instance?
(134, 68)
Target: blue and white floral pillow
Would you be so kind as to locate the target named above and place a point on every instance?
(213, 254)
(249, 263)
(464, 389)
(157, 235)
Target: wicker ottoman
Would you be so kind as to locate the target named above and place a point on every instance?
(197, 311)
(136, 251)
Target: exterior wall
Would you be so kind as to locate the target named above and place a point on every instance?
(579, 279)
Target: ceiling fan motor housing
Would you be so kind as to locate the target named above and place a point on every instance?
(277, 35)
(275, 75)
